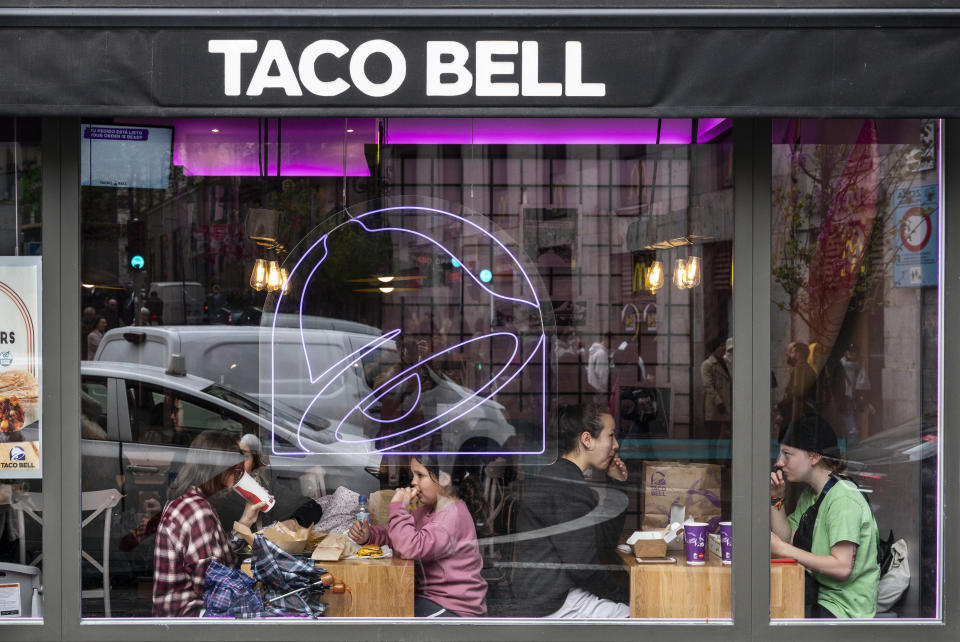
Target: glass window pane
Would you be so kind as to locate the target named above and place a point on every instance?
(21, 483)
(532, 316)
(856, 207)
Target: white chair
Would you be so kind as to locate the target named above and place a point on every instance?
(493, 487)
(96, 502)
(31, 505)
(493, 494)
(93, 502)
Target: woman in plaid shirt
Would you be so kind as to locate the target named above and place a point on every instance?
(189, 535)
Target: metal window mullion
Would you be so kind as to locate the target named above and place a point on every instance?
(749, 399)
(949, 374)
(68, 434)
(759, 483)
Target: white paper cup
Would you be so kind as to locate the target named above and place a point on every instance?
(695, 537)
(251, 490)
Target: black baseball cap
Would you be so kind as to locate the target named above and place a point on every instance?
(812, 433)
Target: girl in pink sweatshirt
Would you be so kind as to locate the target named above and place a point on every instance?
(441, 535)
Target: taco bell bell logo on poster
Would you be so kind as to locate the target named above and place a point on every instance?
(18, 454)
(327, 68)
(6, 358)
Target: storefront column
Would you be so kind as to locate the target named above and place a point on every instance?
(949, 348)
(751, 395)
(66, 363)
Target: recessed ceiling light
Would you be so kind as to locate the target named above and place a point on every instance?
(215, 130)
(349, 131)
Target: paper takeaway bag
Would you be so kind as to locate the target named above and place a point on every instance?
(379, 506)
(696, 487)
(333, 547)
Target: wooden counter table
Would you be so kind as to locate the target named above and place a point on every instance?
(704, 592)
(381, 587)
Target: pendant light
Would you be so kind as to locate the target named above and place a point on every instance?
(680, 273)
(258, 276)
(692, 275)
(654, 277)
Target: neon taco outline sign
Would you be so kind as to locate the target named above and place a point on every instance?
(308, 269)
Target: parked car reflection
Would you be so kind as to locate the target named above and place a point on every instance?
(138, 422)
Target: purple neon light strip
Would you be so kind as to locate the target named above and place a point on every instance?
(535, 303)
(538, 131)
(303, 339)
(309, 146)
(542, 346)
(315, 146)
(416, 378)
(377, 342)
(273, 343)
(388, 385)
(323, 239)
(384, 339)
(522, 367)
(543, 355)
(354, 356)
(710, 128)
(453, 256)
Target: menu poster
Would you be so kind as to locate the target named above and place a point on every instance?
(20, 367)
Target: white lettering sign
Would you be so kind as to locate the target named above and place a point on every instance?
(501, 68)
(308, 68)
(398, 68)
(456, 66)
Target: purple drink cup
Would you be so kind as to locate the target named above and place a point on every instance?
(695, 538)
(726, 542)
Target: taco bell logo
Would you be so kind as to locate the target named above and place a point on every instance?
(658, 484)
(18, 454)
(6, 358)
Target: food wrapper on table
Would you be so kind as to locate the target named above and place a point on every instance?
(334, 547)
(289, 536)
(649, 543)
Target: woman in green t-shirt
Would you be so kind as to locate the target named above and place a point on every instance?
(832, 532)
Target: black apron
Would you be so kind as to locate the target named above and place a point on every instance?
(803, 539)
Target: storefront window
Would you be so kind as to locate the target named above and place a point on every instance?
(533, 316)
(855, 245)
(21, 484)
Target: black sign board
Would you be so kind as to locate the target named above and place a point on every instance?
(675, 72)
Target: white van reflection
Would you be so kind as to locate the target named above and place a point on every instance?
(228, 356)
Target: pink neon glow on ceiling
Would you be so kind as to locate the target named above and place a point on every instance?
(328, 147)
(547, 131)
(307, 146)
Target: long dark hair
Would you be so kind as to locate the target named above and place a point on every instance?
(576, 420)
(464, 486)
(211, 454)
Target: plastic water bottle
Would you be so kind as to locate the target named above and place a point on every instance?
(36, 603)
(363, 513)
